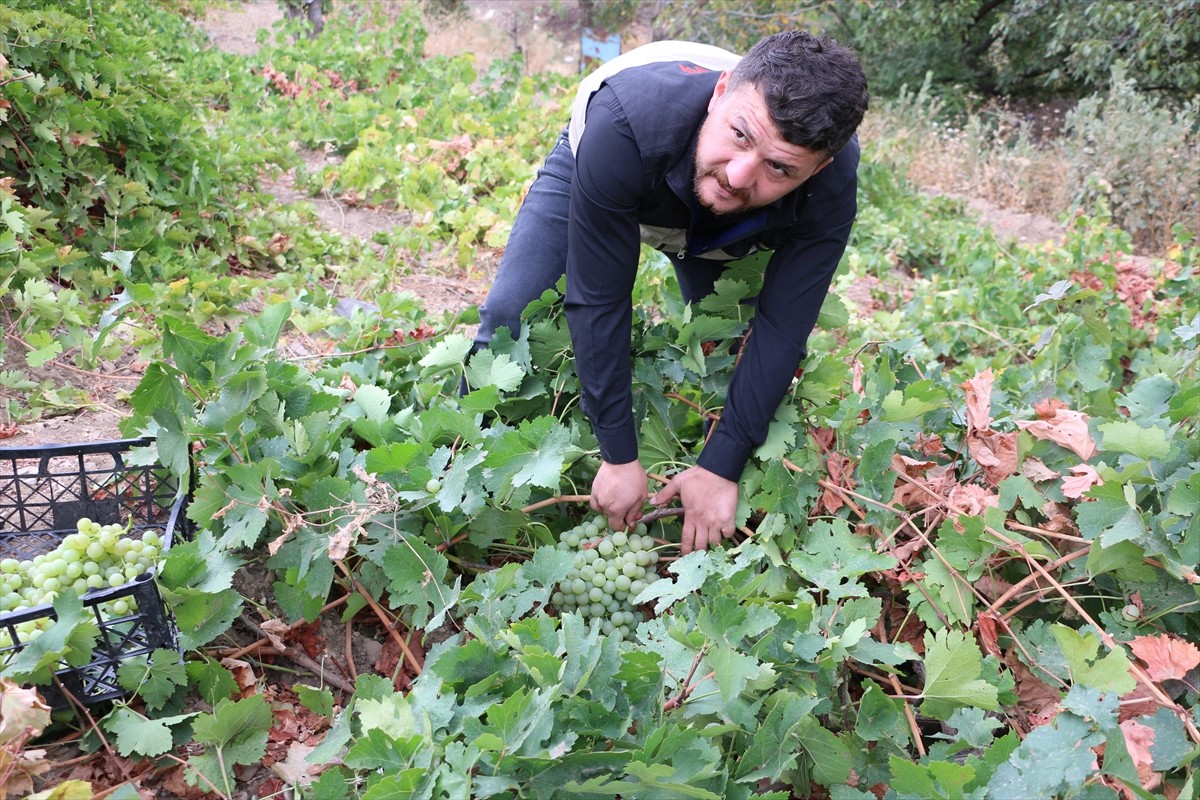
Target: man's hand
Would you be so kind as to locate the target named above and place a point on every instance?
(619, 493)
(709, 504)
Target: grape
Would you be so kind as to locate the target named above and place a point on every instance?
(610, 568)
(433, 486)
(94, 557)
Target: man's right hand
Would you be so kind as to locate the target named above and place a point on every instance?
(619, 493)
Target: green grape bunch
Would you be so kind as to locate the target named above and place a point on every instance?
(95, 557)
(611, 568)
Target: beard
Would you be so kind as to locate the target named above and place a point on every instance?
(740, 196)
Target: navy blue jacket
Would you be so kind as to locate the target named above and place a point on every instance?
(633, 183)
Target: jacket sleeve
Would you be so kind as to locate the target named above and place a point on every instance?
(794, 287)
(602, 258)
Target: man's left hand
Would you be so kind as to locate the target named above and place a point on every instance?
(709, 504)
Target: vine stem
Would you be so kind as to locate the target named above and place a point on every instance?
(692, 404)
(1138, 673)
(912, 717)
(201, 775)
(653, 516)
(391, 629)
(688, 686)
(1016, 588)
(241, 651)
(562, 498)
(82, 708)
(303, 659)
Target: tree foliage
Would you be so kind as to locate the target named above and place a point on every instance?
(1018, 48)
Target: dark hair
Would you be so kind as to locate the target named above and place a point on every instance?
(814, 88)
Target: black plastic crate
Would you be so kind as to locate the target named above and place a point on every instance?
(44, 492)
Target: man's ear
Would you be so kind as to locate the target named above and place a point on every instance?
(719, 90)
(824, 164)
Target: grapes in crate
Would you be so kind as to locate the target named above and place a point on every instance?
(95, 557)
(611, 568)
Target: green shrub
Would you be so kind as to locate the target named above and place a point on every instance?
(1142, 155)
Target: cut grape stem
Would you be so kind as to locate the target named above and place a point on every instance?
(661, 513)
(564, 498)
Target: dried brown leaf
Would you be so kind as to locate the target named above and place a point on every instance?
(1084, 477)
(989, 633)
(1138, 740)
(1037, 699)
(23, 713)
(995, 452)
(1165, 656)
(979, 401)
(928, 445)
(1066, 428)
(1036, 471)
(967, 498)
(295, 770)
(243, 674)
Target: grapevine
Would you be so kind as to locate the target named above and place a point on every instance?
(610, 570)
(95, 557)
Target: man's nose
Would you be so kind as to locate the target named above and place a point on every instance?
(740, 171)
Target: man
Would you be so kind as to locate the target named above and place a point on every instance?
(708, 158)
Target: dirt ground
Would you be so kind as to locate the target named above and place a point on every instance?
(547, 33)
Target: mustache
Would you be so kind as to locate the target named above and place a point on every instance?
(717, 174)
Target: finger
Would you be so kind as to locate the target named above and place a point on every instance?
(688, 537)
(668, 492)
(714, 537)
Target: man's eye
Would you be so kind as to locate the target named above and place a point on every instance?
(779, 169)
(741, 137)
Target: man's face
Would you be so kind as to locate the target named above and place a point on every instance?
(742, 162)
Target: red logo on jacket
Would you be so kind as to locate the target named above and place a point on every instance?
(692, 69)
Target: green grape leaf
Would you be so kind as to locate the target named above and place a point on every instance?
(832, 558)
(140, 735)
(1127, 436)
(1053, 759)
(236, 728)
(1109, 673)
(1109, 517)
(953, 664)
(937, 780)
(155, 681)
(489, 369)
(70, 639)
(829, 752)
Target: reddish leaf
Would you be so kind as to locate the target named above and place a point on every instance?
(1085, 477)
(1063, 427)
(1037, 699)
(1059, 519)
(929, 445)
(1036, 471)
(841, 473)
(1138, 740)
(243, 675)
(979, 401)
(967, 498)
(1137, 703)
(989, 633)
(1165, 656)
(995, 452)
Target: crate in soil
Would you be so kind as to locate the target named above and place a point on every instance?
(44, 492)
